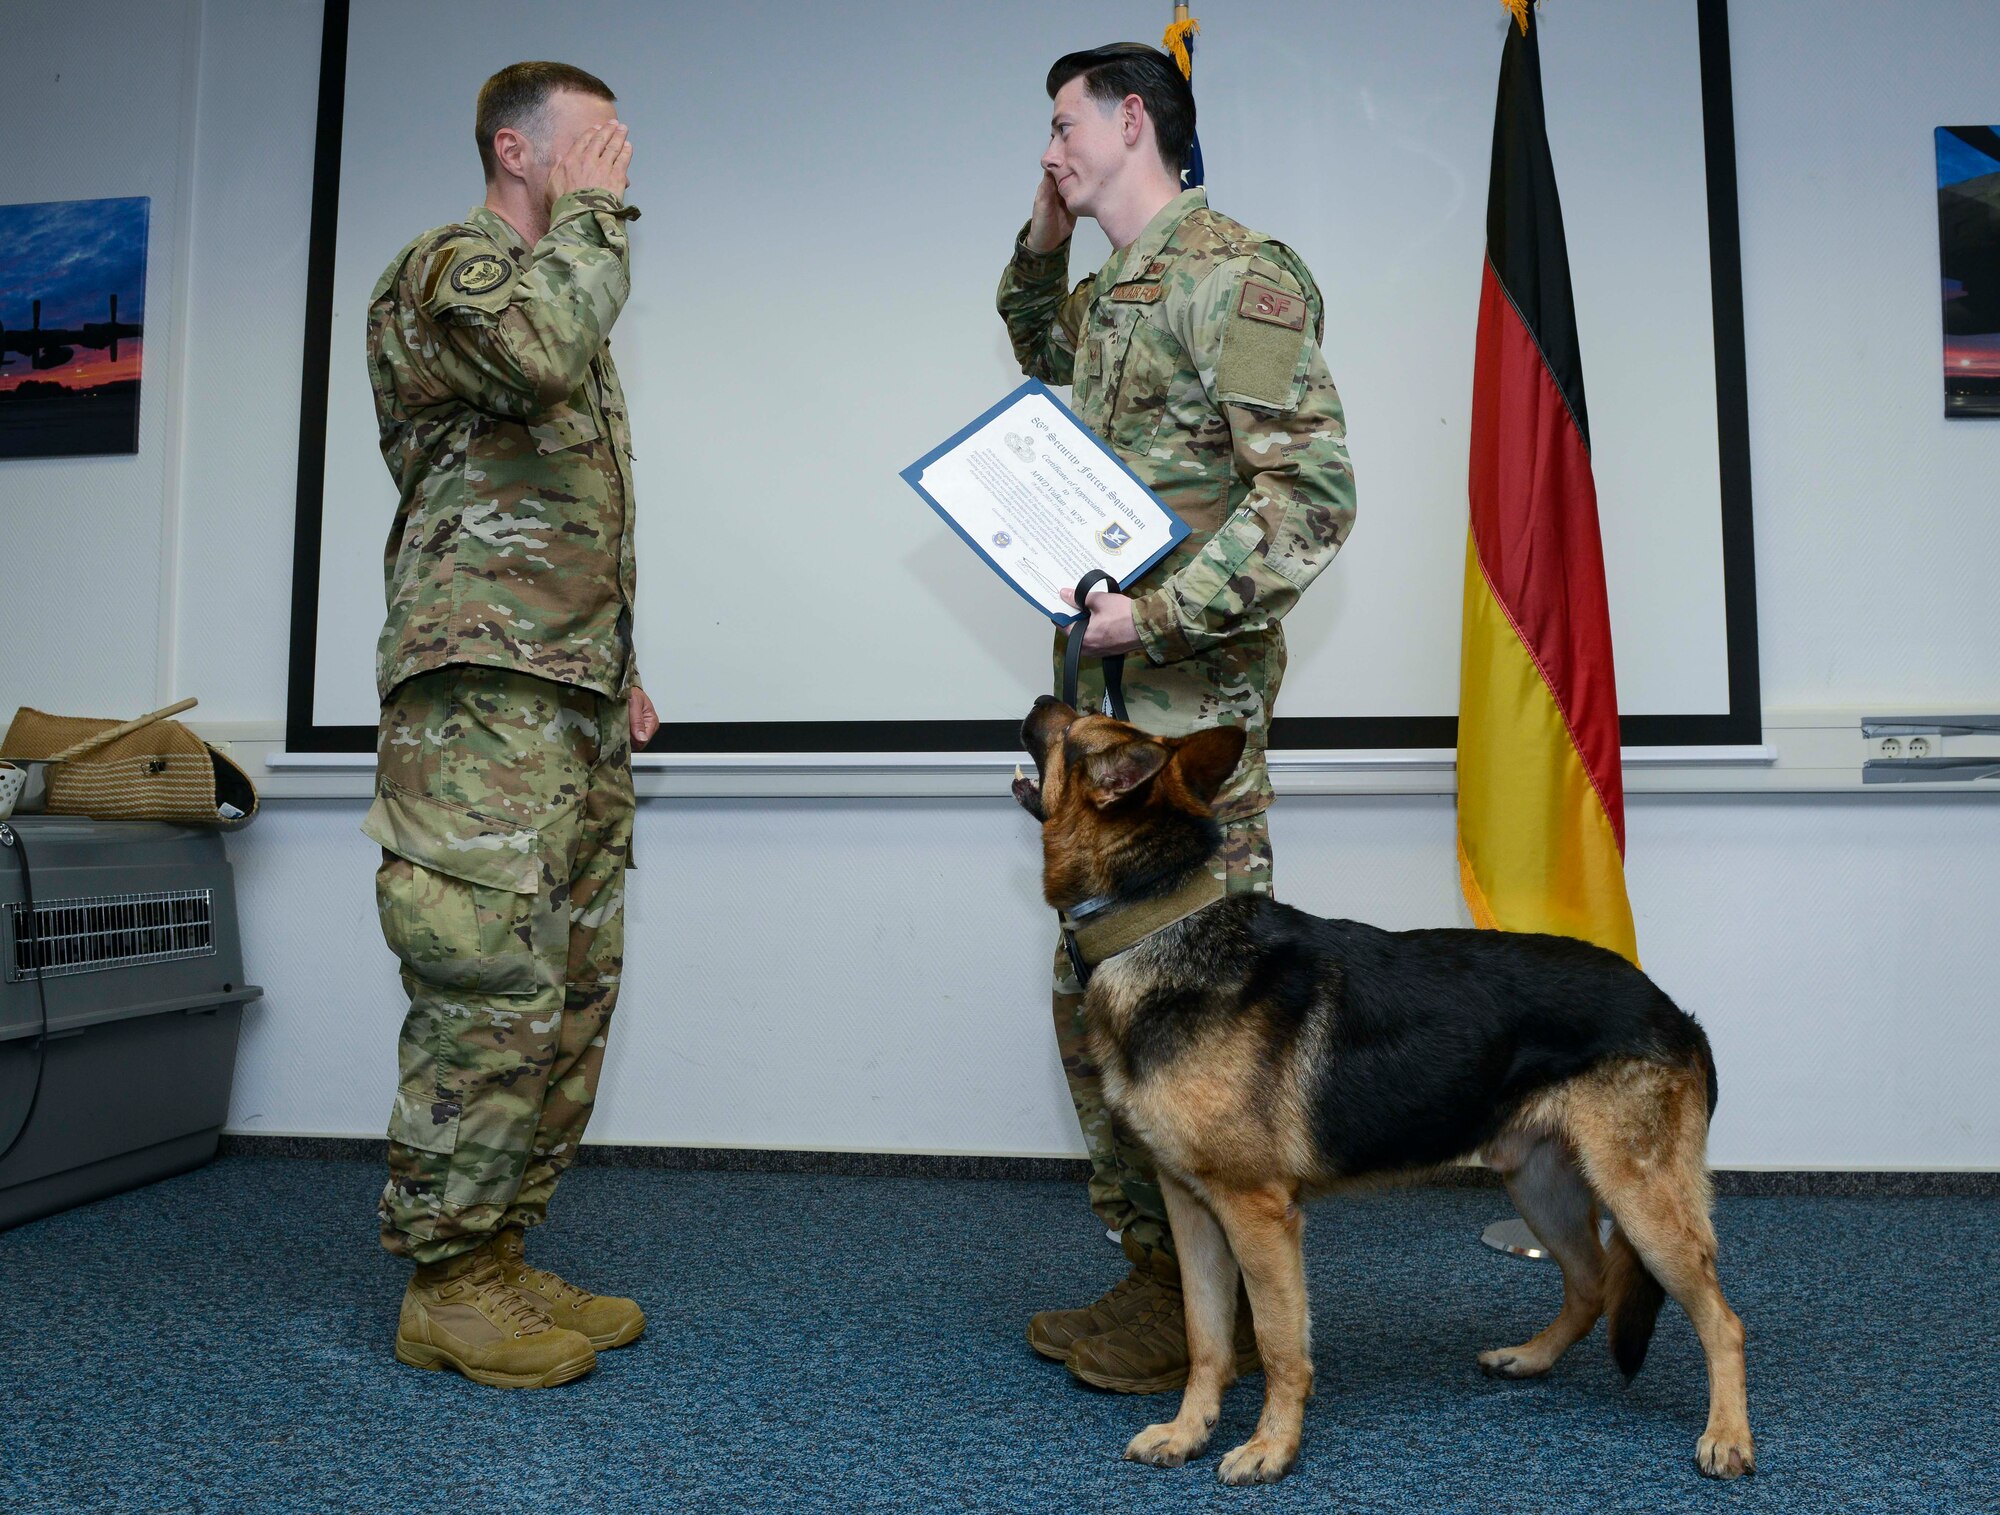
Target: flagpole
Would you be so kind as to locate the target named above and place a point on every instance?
(1607, 914)
(1511, 1234)
(1178, 43)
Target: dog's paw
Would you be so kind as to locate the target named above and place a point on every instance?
(1512, 1362)
(1258, 1460)
(1168, 1444)
(1726, 1454)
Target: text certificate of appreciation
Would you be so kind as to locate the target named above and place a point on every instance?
(1035, 493)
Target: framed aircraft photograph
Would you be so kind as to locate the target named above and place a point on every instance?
(72, 326)
(1968, 160)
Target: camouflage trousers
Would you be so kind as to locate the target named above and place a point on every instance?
(1124, 1191)
(504, 810)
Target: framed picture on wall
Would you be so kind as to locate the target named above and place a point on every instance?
(72, 326)
(1968, 163)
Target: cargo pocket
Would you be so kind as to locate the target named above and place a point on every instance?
(424, 1123)
(562, 428)
(423, 1144)
(462, 898)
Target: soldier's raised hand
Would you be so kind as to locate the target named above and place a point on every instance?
(597, 159)
(1050, 225)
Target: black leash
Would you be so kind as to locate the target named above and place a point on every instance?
(1114, 667)
(1114, 703)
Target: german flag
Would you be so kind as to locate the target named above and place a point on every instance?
(1541, 801)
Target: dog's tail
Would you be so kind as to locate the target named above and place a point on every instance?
(1632, 1300)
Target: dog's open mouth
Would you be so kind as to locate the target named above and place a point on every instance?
(1029, 792)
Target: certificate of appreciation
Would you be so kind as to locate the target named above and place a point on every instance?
(1038, 496)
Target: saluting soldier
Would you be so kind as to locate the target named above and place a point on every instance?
(1194, 353)
(510, 703)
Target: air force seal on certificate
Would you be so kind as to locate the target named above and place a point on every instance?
(1114, 538)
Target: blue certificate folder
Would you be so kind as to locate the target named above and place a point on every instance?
(1177, 528)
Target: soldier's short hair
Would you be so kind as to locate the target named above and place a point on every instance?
(1112, 72)
(518, 96)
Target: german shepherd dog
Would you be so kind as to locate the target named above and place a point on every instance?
(1262, 1054)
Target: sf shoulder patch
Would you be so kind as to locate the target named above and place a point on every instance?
(1262, 302)
(1262, 342)
(480, 273)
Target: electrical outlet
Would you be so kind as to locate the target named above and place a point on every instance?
(1926, 745)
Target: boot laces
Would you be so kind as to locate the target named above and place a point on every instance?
(501, 1303)
(553, 1286)
(1123, 1288)
(1159, 1310)
(1156, 1299)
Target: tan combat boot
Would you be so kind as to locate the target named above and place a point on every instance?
(1145, 1348)
(457, 1314)
(1053, 1333)
(608, 1321)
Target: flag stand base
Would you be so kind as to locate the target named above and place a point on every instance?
(1513, 1236)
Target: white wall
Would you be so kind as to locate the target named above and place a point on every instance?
(869, 973)
(99, 104)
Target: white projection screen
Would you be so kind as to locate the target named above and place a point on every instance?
(829, 195)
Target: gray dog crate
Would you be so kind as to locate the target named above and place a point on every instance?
(138, 951)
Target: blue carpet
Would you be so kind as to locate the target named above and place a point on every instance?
(221, 1342)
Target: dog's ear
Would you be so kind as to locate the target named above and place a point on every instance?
(1114, 773)
(1207, 757)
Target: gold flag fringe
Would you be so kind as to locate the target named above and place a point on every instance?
(1175, 40)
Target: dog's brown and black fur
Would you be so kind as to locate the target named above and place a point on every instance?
(1263, 1054)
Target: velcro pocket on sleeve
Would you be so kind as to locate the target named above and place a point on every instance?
(1262, 343)
(481, 849)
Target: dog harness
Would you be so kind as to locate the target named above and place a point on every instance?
(1101, 928)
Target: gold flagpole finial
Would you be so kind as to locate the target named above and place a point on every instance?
(1176, 39)
(1519, 8)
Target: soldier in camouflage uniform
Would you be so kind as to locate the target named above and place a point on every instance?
(510, 702)
(1194, 353)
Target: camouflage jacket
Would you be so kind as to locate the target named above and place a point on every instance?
(1194, 353)
(504, 425)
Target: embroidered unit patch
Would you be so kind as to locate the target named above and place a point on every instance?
(479, 273)
(1261, 302)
